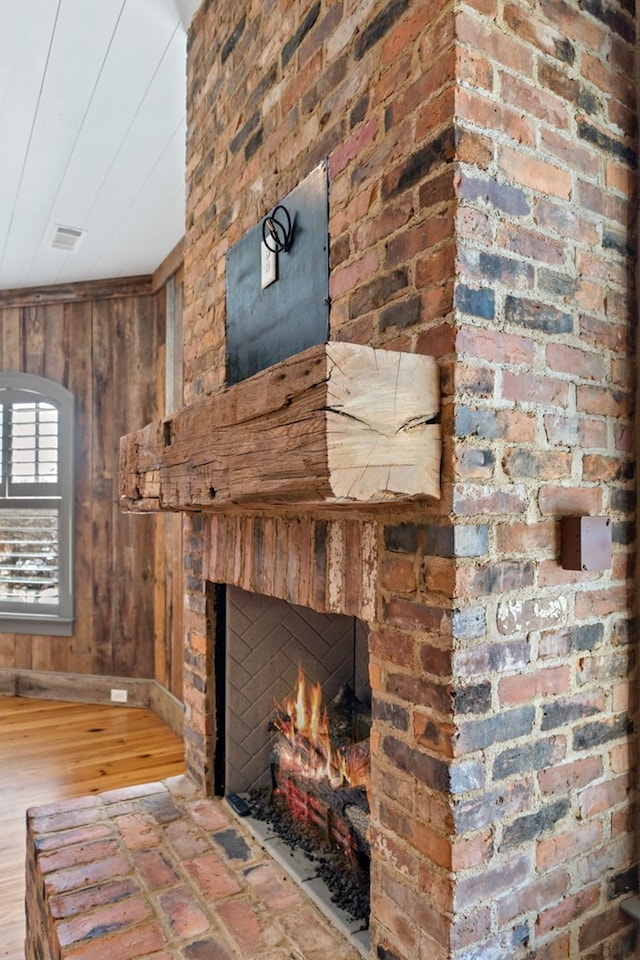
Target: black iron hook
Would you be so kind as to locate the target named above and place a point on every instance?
(276, 234)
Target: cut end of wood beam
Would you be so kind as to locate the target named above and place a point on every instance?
(382, 442)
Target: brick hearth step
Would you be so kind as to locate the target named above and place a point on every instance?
(158, 872)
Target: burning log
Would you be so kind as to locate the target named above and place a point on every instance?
(324, 743)
(360, 822)
(358, 760)
(324, 807)
(318, 802)
(321, 770)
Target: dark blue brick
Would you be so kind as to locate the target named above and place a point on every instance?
(502, 196)
(477, 303)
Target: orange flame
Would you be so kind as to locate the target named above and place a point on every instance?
(303, 721)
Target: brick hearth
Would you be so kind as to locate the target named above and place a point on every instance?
(161, 873)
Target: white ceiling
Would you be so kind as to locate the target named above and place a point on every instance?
(92, 113)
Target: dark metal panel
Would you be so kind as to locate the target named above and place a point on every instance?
(267, 326)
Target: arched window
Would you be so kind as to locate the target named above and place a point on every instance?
(36, 500)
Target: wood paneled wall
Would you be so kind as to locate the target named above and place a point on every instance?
(106, 345)
(168, 627)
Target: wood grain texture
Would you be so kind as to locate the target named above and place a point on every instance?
(11, 356)
(105, 351)
(80, 688)
(381, 439)
(338, 423)
(78, 292)
(52, 751)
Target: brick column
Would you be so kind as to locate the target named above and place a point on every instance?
(482, 173)
(544, 374)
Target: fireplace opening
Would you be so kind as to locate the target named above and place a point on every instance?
(292, 753)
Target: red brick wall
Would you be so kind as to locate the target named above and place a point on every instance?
(481, 171)
(543, 423)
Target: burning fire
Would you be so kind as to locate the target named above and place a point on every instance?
(303, 722)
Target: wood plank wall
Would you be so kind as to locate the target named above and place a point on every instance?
(108, 349)
(168, 626)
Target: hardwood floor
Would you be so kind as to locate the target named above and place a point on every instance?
(51, 751)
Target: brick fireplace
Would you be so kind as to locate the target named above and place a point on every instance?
(482, 170)
(481, 167)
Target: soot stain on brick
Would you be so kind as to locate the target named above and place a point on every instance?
(624, 245)
(565, 50)
(422, 539)
(549, 281)
(377, 292)
(624, 533)
(429, 770)
(242, 134)
(104, 930)
(359, 111)
(472, 422)
(162, 808)
(558, 714)
(586, 131)
(502, 196)
(253, 144)
(587, 637)
(612, 18)
(230, 44)
(420, 164)
(477, 303)
(509, 725)
(400, 315)
(205, 950)
(378, 27)
(292, 45)
(623, 500)
(475, 698)
(531, 826)
(235, 846)
(602, 731)
(392, 714)
(537, 316)
(383, 954)
(624, 882)
(492, 266)
(523, 759)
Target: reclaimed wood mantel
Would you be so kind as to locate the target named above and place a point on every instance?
(339, 423)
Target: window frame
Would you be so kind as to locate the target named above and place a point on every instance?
(57, 619)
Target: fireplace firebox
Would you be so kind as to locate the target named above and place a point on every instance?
(292, 752)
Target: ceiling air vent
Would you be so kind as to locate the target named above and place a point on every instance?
(67, 238)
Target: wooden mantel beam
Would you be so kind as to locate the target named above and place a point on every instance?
(339, 423)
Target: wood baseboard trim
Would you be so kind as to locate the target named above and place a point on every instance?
(80, 688)
(167, 707)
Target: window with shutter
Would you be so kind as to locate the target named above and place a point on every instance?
(36, 498)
